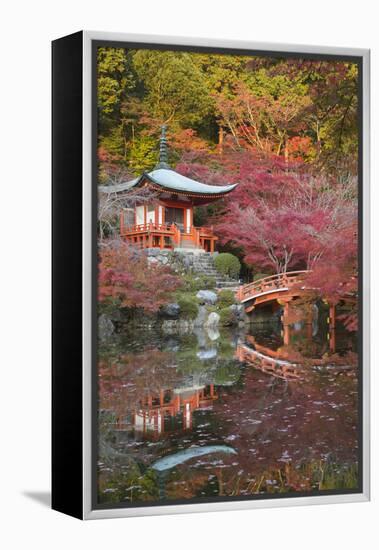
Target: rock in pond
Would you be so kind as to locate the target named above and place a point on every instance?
(105, 327)
(213, 319)
(201, 317)
(207, 297)
(238, 314)
(170, 311)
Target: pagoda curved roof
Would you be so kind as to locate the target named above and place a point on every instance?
(172, 181)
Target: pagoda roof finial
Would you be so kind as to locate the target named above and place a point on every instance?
(163, 155)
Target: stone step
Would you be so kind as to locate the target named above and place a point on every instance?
(204, 265)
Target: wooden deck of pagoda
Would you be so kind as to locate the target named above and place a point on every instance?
(154, 235)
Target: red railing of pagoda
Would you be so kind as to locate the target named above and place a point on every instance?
(195, 234)
(149, 227)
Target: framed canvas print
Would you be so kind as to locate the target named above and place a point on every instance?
(210, 275)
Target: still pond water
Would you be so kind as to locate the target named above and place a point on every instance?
(216, 414)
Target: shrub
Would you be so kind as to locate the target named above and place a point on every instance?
(127, 280)
(188, 306)
(226, 317)
(225, 298)
(228, 264)
(205, 282)
(193, 283)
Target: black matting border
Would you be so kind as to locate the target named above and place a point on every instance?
(67, 363)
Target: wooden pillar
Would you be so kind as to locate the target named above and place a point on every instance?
(156, 215)
(286, 335)
(161, 241)
(212, 245)
(150, 235)
(211, 390)
(220, 139)
(332, 316)
(332, 340)
(286, 311)
(177, 403)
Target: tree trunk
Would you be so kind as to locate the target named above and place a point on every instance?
(220, 140)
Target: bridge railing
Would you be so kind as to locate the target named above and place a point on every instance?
(271, 283)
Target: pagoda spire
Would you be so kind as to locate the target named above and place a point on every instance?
(163, 156)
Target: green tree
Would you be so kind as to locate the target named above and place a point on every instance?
(176, 90)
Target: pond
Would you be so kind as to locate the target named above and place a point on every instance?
(225, 413)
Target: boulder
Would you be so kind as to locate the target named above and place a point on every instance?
(238, 314)
(213, 320)
(170, 311)
(213, 333)
(207, 297)
(201, 317)
(205, 354)
(105, 327)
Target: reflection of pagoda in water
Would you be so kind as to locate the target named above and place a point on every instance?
(169, 410)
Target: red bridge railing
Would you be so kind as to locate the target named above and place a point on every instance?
(270, 284)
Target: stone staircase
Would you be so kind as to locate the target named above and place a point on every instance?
(204, 265)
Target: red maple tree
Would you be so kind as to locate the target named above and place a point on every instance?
(127, 278)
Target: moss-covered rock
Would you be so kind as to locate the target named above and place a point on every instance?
(193, 282)
(227, 317)
(189, 306)
(226, 298)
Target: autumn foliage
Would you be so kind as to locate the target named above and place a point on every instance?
(285, 130)
(126, 278)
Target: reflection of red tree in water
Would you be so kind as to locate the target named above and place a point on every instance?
(279, 425)
(146, 396)
(287, 434)
(124, 381)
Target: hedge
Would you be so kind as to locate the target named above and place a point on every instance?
(228, 264)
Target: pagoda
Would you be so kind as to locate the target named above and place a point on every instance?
(168, 223)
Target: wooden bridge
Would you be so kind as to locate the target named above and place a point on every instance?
(284, 285)
(269, 365)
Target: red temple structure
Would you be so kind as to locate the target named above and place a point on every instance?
(168, 223)
(171, 410)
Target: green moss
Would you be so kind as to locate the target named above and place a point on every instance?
(189, 306)
(194, 283)
(226, 298)
(228, 264)
(226, 317)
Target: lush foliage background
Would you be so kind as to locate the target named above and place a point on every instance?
(285, 130)
(296, 109)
